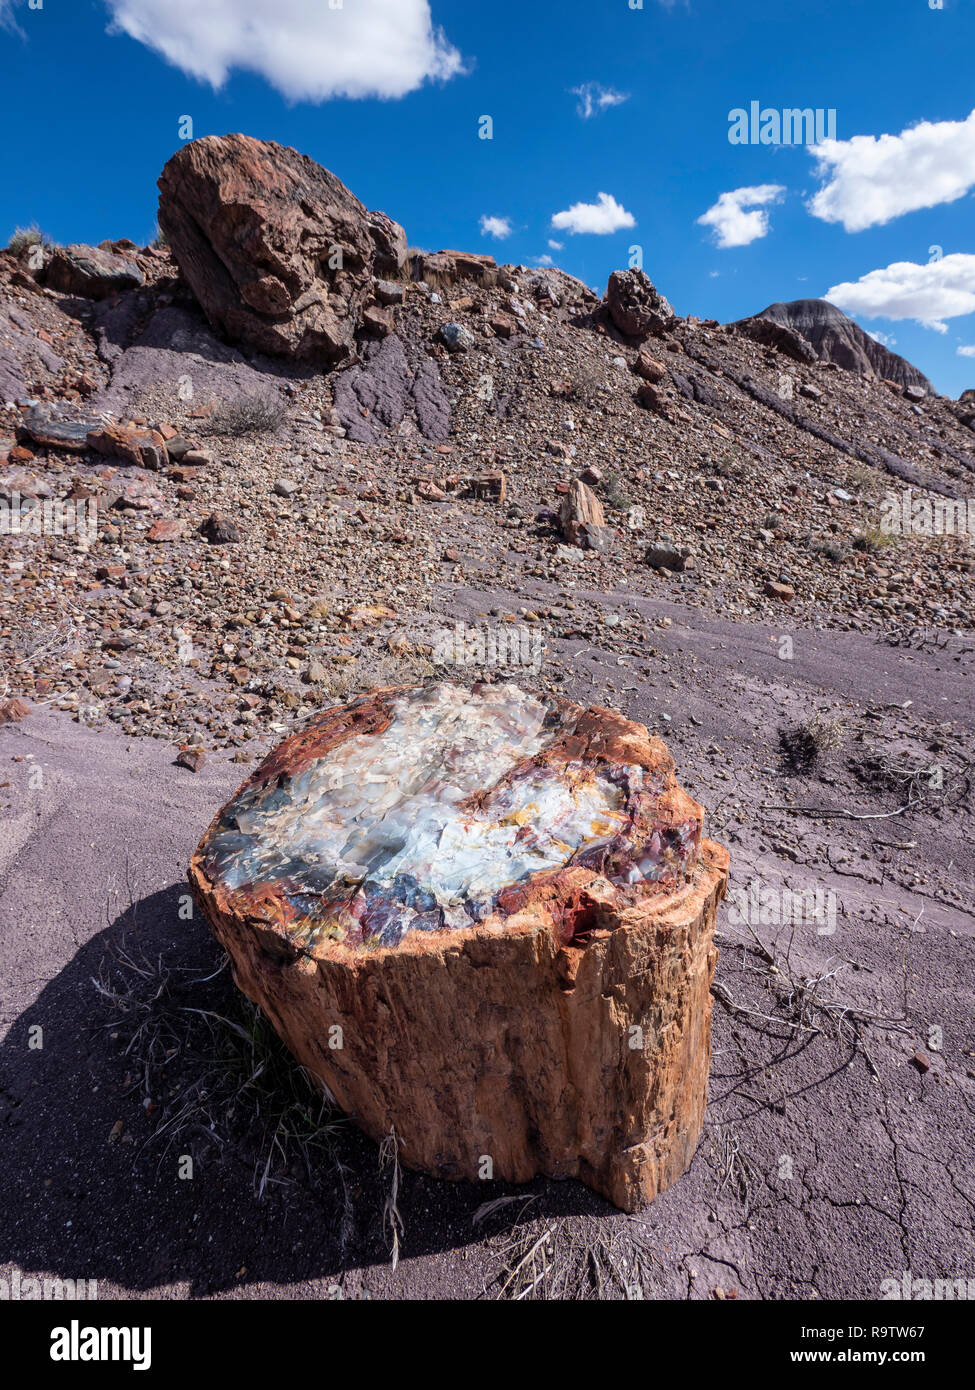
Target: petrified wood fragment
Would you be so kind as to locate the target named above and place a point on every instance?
(484, 920)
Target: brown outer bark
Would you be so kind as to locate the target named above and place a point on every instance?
(498, 1040)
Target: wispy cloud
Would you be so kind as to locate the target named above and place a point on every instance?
(305, 49)
(738, 218)
(601, 217)
(871, 180)
(593, 98)
(499, 227)
(967, 351)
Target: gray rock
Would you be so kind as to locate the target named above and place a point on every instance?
(664, 555)
(456, 338)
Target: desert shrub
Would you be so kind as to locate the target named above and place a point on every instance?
(807, 744)
(873, 540)
(251, 414)
(614, 492)
(26, 236)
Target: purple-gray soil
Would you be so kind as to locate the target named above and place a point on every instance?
(837, 1146)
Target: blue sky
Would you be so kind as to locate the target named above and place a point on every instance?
(587, 97)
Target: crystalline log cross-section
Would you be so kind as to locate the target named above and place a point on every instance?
(436, 858)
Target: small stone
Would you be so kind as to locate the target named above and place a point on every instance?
(12, 711)
(285, 487)
(191, 758)
(165, 530)
(664, 555)
(784, 592)
(220, 530)
(456, 338)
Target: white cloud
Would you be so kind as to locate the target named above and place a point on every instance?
(604, 216)
(593, 98)
(737, 218)
(886, 339)
(544, 260)
(305, 49)
(871, 180)
(555, 245)
(928, 293)
(967, 351)
(499, 227)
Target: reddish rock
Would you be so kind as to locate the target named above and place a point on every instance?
(785, 592)
(279, 253)
(191, 758)
(377, 321)
(635, 306)
(649, 368)
(457, 265)
(166, 530)
(580, 509)
(12, 711)
(503, 326)
(651, 397)
(145, 448)
(539, 996)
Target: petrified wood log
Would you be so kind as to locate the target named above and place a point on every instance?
(484, 920)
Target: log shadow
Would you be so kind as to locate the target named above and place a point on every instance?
(92, 1177)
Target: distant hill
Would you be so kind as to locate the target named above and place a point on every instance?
(836, 338)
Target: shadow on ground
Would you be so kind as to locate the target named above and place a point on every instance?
(93, 1185)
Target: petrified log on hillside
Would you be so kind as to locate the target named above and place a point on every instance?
(484, 920)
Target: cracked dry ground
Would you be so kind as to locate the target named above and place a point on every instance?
(831, 1159)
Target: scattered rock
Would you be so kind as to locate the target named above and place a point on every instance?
(784, 592)
(145, 448)
(12, 711)
(581, 510)
(220, 530)
(456, 338)
(664, 555)
(91, 272)
(191, 758)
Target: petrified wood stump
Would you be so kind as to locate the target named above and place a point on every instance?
(484, 920)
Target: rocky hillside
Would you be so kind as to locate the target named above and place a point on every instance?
(302, 443)
(835, 338)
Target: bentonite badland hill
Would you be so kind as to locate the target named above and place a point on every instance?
(309, 459)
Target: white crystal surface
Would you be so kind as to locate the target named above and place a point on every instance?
(380, 812)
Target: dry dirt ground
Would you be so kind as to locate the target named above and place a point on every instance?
(837, 1148)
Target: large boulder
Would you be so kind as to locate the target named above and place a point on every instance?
(484, 921)
(636, 306)
(279, 253)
